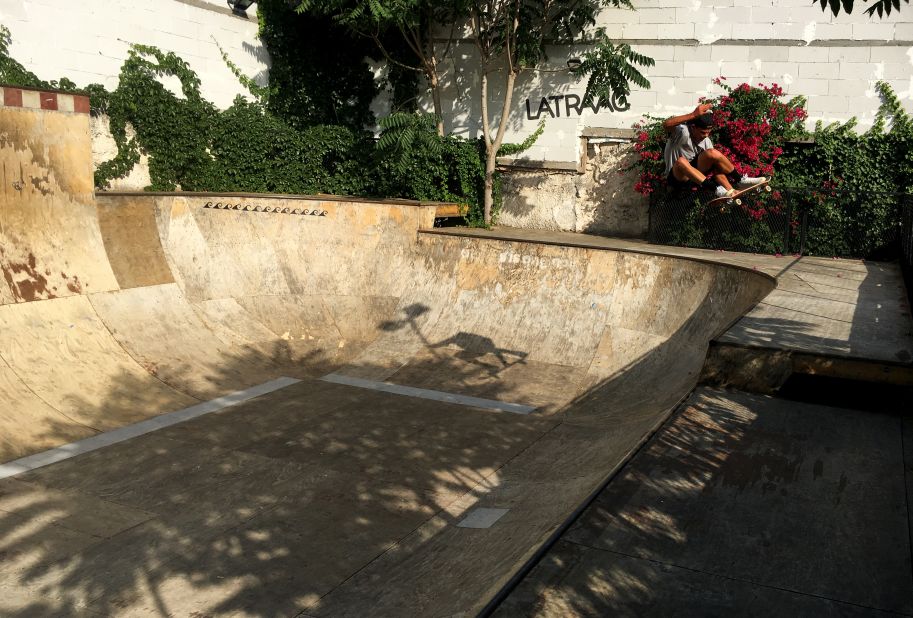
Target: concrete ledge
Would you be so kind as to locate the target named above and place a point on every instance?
(608, 133)
(530, 164)
(320, 197)
(765, 370)
(44, 99)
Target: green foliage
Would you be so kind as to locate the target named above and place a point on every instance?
(413, 161)
(247, 148)
(848, 186)
(403, 136)
(507, 150)
(882, 7)
(453, 170)
(611, 70)
(402, 33)
(174, 131)
(850, 183)
(318, 74)
(14, 74)
(11, 72)
(269, 156)
(260, 93)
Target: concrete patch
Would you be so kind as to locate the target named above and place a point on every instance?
(482, 518)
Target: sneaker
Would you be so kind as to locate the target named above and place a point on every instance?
(724, 192)
(750, 181)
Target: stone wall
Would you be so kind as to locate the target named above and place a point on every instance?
(596, 196)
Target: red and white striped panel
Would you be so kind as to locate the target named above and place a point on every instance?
(39, 99)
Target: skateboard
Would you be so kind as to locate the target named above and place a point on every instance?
(736, 198)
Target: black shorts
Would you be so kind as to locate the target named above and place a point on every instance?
(675, 183)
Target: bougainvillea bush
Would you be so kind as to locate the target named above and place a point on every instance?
(844, 186)
(751, 125)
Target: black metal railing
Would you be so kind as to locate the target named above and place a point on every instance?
(906, 243)
(825, 222)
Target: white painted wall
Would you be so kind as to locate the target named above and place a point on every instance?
(833, 61)
(87, 40)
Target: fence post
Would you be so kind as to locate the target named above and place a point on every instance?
(787, 232)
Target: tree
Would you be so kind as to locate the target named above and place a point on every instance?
(309, 85)
(411, 24)
(516, 32)
(882, 7)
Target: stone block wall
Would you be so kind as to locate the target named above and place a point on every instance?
(596, 196)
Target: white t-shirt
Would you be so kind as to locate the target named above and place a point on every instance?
(679, 144)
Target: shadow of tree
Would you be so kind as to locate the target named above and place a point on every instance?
(290, 502)
(261, 508)
(735, 508)
(737, 505)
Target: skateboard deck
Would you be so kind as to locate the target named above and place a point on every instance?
(736, 198)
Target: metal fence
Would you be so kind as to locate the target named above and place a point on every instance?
(906, 243)
(826, 222)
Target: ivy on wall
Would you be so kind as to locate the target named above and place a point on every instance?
(850, 183)
(253, 147)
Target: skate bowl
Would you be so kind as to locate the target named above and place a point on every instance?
(120, 307)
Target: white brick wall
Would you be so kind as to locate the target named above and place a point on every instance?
(87, 41)
(818, 70)
(807, 54)
(721, 37)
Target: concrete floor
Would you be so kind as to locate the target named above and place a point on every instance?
(742, 505)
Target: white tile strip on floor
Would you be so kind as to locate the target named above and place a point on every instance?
(423, 393)
(482, 517)
(108, 438)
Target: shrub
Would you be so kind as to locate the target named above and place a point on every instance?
(845, 184)
(751, 126)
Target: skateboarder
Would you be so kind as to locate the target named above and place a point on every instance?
(691, 158)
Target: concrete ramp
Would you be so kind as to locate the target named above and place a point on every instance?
(130, 306)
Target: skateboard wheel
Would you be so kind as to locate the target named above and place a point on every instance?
(738, 202)
(767, 188)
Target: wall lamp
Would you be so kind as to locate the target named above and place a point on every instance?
(574, 63)
(240, 6)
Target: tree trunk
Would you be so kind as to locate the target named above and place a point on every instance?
(436, 89)
(490, 162)
(438, 108)
(492, 145)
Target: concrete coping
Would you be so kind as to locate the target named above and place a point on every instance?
(44, 99)
(608, 132)
(592, 242)
(442, 209)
